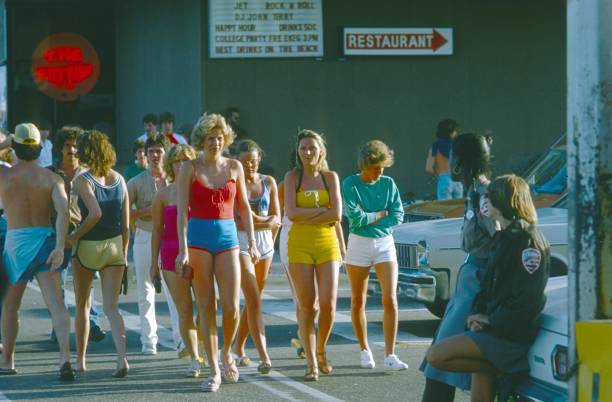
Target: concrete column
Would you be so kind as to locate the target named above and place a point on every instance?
(158, 64)
(589, 123)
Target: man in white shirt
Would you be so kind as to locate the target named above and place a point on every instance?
(46, 153)
(167, 126)
(149, 122)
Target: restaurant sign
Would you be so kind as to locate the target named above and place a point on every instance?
(398, 41)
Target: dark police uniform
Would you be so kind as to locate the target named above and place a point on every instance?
(512, 296)
(477, 241)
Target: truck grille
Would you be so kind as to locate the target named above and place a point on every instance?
(406, 255)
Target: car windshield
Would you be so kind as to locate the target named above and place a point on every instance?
(550, 174)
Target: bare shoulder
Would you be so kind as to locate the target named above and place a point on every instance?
(270, 181)
(53, 177)
(114, 176)
(331, 176)
(235, 166)
(291, 175)
(189, 166)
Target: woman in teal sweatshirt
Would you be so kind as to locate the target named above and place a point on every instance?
(373, 206)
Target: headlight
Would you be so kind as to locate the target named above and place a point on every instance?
(422, 251)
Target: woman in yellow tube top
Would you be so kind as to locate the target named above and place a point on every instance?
(314, 207)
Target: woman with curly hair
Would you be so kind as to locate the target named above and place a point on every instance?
(164, 247)
(209, 187)
(100, 242)
(314, 207)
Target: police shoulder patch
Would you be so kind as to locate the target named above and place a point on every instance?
(531, 258)
(469, 214)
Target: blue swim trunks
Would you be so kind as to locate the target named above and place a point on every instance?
(212, 235)
(26, 251)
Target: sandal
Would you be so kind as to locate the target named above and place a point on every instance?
(121, 372)
(230, 372)
(244, 361)
(8, 371)
(203, 361)
(212, 384)
(301, 354)
(312, 374)
(194, 369)
(66, 373)
(324, 365)
(264, 367)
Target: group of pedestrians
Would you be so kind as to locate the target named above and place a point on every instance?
(204, 220)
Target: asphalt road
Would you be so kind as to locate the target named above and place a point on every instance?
(162, 377)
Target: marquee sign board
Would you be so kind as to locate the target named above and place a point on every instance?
(260, 28)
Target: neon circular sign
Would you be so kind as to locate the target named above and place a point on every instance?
(65, 66)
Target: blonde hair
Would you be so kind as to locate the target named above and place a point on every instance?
(375, 152)
(322, 162)
(175, 154)
(206, 124)
(96, 151)
(511, 195)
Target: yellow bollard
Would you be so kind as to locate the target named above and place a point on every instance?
(594, 348)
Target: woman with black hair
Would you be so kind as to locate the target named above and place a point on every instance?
(504, 318)
(469, 163)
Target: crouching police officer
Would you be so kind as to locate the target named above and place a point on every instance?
(505, 315)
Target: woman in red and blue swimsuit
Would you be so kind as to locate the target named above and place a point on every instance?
(208, 241)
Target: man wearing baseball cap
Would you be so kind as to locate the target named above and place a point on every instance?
(32, 247)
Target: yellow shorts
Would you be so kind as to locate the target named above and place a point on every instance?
(97, 254)
(312, 244)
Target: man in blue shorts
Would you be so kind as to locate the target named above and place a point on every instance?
(33, 248)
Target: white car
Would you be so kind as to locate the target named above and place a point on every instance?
(548, 358)
(430, 255)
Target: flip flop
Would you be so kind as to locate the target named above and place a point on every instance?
(264, 367)
(244, 361)
(4, 371)
(121, 373)
(211, 384)
(230, 372)
(66, 373)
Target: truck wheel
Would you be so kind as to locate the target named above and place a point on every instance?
(437, 308)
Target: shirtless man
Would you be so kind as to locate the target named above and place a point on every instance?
(33, 248)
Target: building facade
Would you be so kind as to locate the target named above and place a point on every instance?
(506, 75)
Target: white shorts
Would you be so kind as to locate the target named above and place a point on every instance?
(368, 251)
(263, 241)
(283, 241)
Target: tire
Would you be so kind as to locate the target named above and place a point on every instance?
(437, 308)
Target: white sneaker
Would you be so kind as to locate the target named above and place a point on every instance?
(393, 363)
(367, 361)
(194, 369)
(149, 349)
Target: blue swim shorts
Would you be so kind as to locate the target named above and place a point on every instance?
(212, 235)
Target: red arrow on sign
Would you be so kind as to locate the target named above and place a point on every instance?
(438, 40)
